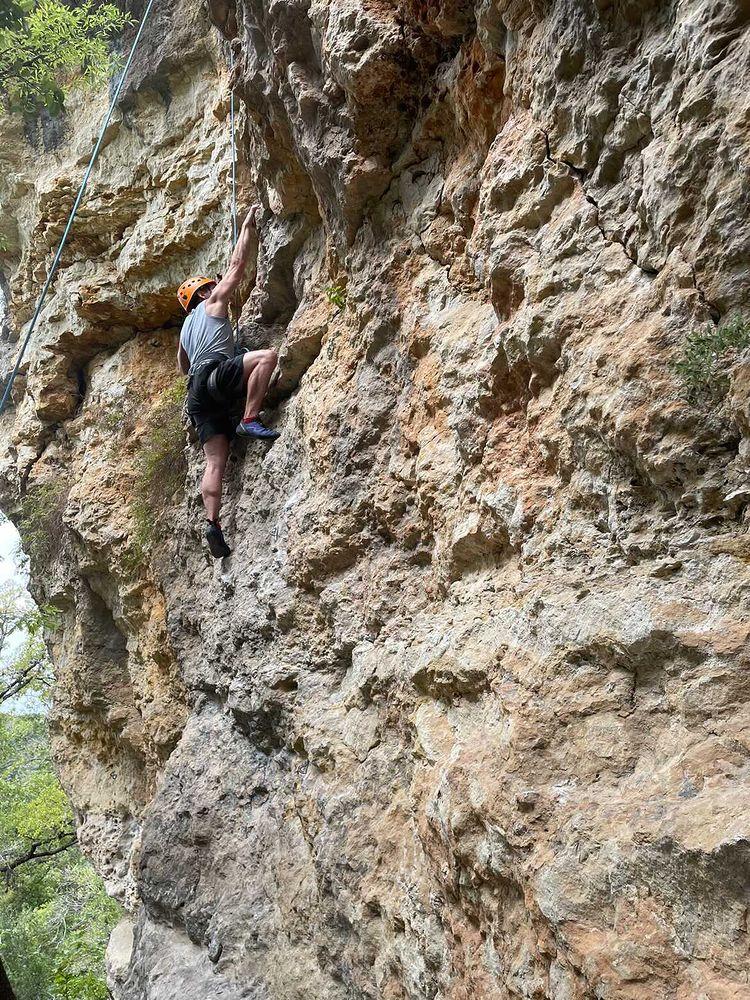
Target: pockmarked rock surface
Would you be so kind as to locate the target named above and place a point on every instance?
(465, 713)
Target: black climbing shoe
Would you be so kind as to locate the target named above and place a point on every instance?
(215, 539)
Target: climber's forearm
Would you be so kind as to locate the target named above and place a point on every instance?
(233, 277)
(243, 247)
(244, 251)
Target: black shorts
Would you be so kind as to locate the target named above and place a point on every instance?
(210, 400)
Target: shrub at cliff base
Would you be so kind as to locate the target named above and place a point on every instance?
(161, 467)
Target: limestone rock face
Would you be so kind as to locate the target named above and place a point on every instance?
(466, 712)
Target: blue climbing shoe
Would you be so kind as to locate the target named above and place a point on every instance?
(256, 429)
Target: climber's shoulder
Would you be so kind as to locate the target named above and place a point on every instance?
(215, 306)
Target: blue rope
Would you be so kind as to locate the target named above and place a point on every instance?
(76, 204)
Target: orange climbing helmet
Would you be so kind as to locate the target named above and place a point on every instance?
(188, 288)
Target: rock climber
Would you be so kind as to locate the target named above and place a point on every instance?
(218, 375)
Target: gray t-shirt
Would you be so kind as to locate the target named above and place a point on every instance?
(205, 337)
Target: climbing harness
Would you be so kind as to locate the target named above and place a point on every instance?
(74, 210)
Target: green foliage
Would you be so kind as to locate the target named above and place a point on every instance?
(45, 43)
(161, 470)
(54, 914)
(702, 368)
(33, 806)
(41, 522)
(336, 295)
(11, 12)
(24, 664)
(112, 420)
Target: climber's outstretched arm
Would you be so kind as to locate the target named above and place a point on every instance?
(217, 303)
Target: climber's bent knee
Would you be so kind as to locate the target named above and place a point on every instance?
(266, 358)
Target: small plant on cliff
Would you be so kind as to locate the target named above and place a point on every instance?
(336, 295)
(161, 470)
(112, 420)
(41, 522)
(706, 354)
(45, 43)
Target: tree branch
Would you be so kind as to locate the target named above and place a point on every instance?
(21, 681)
(40, 850)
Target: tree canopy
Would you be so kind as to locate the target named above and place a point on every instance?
(54, 914)
(45, 44)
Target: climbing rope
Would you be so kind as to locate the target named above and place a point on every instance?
(76, 204)
(232, 127)
(234, 152)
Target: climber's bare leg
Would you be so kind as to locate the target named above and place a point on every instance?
(258, 368)
(216, 450)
